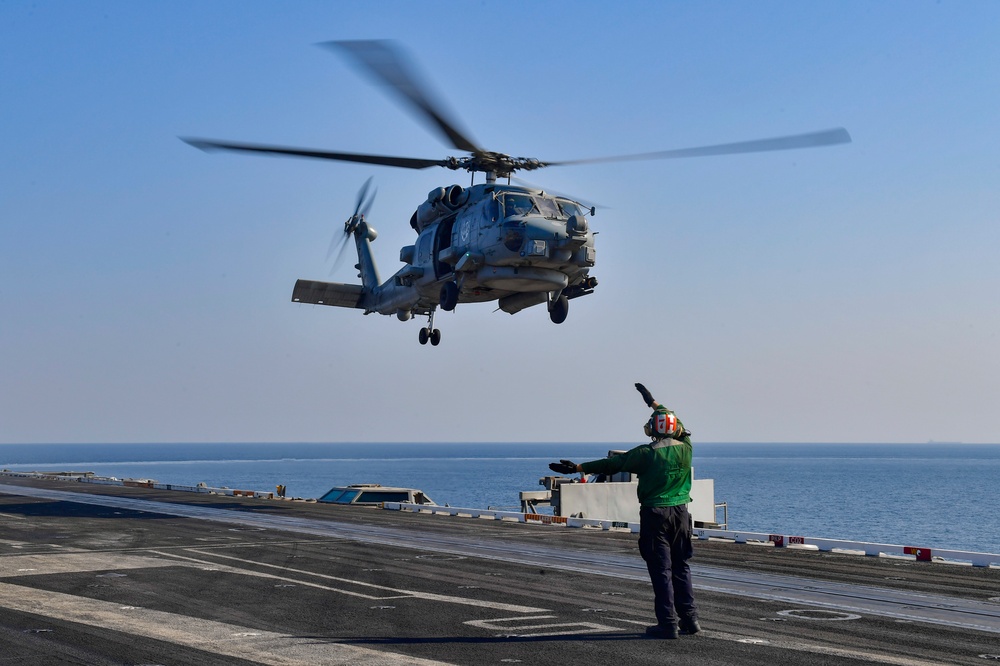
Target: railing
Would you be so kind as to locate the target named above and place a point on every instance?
(724, 523)
(919, 553)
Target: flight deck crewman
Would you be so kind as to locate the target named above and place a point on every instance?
(664, 470)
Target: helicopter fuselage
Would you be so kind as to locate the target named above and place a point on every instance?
(511, 244)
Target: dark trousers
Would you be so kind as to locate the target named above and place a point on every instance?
(665, 545)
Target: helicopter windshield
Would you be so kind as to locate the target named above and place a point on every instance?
(517, 204)
(547, 207)
(569, 208)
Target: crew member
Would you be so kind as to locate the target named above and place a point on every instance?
(664, 470)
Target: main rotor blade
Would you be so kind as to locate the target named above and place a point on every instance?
(810, 140)
(404, 162)
(384, 62)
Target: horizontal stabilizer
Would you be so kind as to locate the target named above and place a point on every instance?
(328, 293)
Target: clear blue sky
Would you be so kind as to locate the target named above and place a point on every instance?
(840, 294)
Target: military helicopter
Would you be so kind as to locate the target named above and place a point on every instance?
(493, 241)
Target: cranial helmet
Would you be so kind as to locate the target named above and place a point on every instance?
(661, 424)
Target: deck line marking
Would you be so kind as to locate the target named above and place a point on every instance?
(44, 564)
(395, 592)
(770, 641)
(500, 624)
(862, 655)
(257, 646)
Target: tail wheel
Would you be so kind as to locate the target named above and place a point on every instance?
(558, 310)
(435, 337)
(449, 296)
(424, 336)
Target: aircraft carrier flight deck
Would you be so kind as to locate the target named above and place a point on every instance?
(95, 574)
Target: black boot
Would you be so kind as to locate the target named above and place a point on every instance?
(662, 631)
(689, 626)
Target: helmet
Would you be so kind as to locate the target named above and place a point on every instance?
(662, 424)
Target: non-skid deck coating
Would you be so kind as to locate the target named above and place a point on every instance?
(105, 574)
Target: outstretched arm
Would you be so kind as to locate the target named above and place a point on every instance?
(647, 396)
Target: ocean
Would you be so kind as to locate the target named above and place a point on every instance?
(928, 495)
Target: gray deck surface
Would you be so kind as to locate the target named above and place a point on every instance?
(110, 575)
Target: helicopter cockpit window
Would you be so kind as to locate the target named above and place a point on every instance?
(517, 204)
(570, 209)
(547, 207)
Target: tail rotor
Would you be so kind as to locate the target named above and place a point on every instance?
(338, 244)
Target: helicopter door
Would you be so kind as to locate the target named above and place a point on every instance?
(424, 244)
(442, 241)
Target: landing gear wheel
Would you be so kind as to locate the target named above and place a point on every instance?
(429, 332)
(449, 296)
(558, 310)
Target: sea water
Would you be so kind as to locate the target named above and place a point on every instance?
(929, 495)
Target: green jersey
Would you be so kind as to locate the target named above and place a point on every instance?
(663, 468)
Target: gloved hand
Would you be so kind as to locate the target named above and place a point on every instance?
(646, 395)
(563, 467)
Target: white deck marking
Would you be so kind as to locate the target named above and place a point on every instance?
(513, 626)
(44, 564)
(265, 647)
(798, 646)
(813, 648)
(395, 593)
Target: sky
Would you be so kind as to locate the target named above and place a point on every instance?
(841, 294)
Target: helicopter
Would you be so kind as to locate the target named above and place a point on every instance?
(493, 241)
